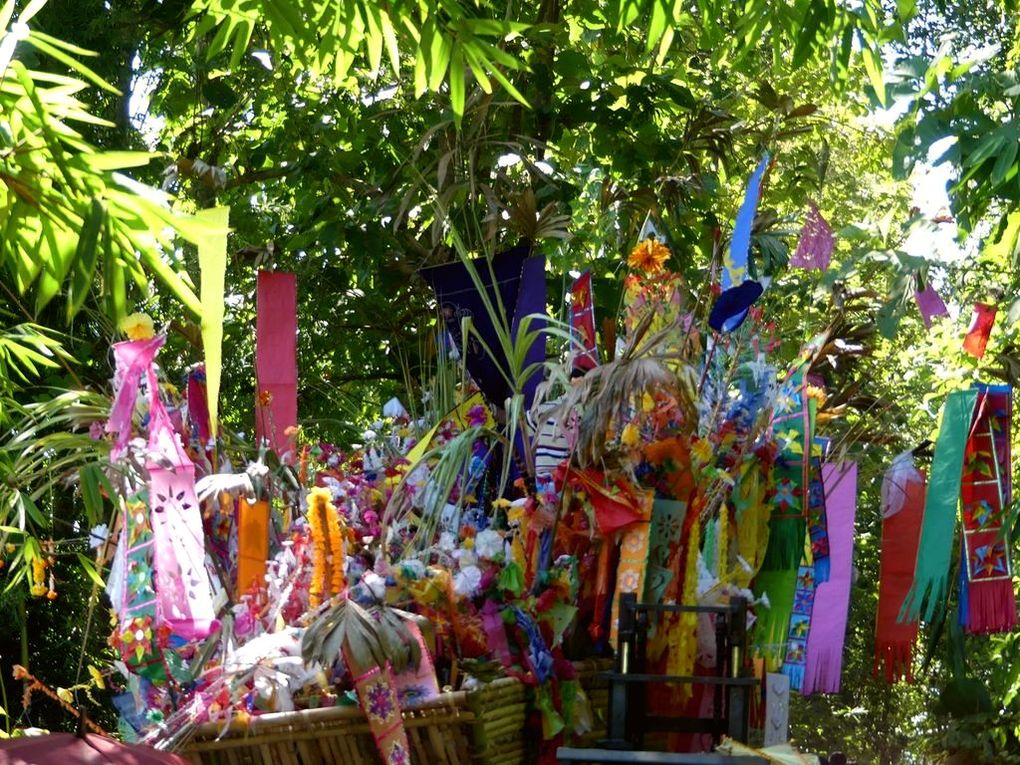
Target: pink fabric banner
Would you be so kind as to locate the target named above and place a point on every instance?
(930, 304)
(183, 591)
(276, 359)
(832, 598)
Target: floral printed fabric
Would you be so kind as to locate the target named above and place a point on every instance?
(377, 695)
(134, 597)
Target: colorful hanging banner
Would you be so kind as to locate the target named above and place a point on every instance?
(252, 546)
(985, 493)
(520, 281)
(212, 263)
(832, 599)
(582, 324)
(930, 304)
(276, 360)
(818, 531)
(980, 329)
(793, 425)
(930, 587)
(903, 493)
(814, 248)
(739, 293)
(800, 627)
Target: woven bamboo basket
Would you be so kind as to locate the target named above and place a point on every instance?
(480, 727)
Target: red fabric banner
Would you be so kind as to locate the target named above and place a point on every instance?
(985, 493)
(582, 324)
(276, 359)
(980, 329)
(901, 533)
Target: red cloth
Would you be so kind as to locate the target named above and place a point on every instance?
(582, 324)
(901, 533)
(276, 359)
(980, 329)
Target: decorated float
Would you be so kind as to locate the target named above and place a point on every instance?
(449, 589)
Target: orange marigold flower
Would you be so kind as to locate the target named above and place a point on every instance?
(265, 398)
(648, 256)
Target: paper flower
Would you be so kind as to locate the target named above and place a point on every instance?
(488, 544)
(648, 256)
(467, 581)
(137, 326)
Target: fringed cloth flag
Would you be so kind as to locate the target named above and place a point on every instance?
(276, 360)
(832, 599)
(773, 616)
(930, 304)
(800, 627)
(585, 352)
(903, 492)
(930, 588)
(980, 329)
(814, 248)
(985, 493)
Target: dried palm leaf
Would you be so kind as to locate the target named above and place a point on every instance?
(612, 391)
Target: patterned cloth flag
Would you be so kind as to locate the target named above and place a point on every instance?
(832, 599)
(818, 532)
(793, 426)
(800, 627)
(377, 695)
(986, 491)
(582, 324)
(133, 596)
(814, 249)
(276, 359)
(980, 329)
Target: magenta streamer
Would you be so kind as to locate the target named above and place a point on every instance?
(832, 598)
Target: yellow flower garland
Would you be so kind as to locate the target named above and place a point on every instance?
(327, 529)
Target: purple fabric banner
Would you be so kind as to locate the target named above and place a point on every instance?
(930, 304)
(832, 599)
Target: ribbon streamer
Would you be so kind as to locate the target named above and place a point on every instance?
(930, 587)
